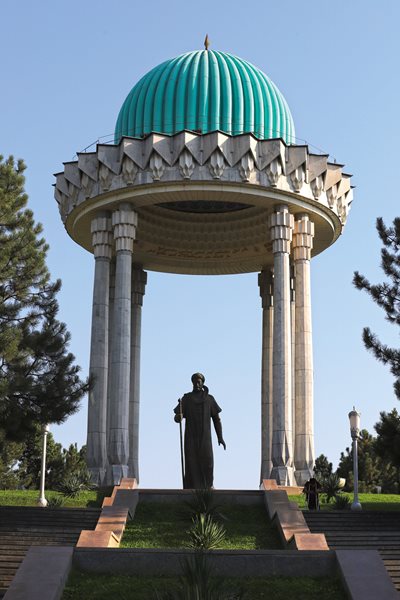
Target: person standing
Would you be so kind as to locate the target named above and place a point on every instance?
(198, 408)
(312, 490)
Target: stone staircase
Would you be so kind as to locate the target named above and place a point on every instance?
(22, 527)
(367, 530)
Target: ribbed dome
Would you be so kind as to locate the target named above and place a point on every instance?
(206, 91)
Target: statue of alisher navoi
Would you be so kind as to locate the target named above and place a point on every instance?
(198, 407)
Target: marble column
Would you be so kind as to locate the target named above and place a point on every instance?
(110, 323)
(139, 280)
(304, 439)
(293, 338)
(265, 282)
(282, 442)
(124, 221)
(97, 408)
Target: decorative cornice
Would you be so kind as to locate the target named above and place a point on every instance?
(189, 157)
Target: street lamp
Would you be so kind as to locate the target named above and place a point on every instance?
(42, 500)
(354, 418)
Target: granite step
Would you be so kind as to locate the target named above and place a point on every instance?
(22, 527)
(367, 530)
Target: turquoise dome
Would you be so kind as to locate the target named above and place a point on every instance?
(206, 91)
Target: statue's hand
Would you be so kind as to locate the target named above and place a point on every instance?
(222, 443)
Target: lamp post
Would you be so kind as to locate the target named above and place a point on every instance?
(42, 500)
(354, 418)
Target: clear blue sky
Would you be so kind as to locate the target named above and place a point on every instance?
(66, 69)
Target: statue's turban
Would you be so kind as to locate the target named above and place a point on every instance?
(198, 376)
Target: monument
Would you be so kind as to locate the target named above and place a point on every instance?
(198, 408)
(204, 176)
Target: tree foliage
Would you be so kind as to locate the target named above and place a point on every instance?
(386, 295)
(322, 468)
(387, 444)
(28, 471)
(10, 453)
(373, 470)
(20, 463)
(39, 382)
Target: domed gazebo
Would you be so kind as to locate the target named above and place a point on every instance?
(203, 177)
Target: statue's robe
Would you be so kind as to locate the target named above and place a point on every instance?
(198, 408)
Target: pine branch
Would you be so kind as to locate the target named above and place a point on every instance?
(386, 295)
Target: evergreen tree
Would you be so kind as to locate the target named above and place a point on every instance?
(24, 279)
(74, 460)
(322, 468)
(387, 444)
(372, 470)
(386, 295)
(39, 382)
(10, 454)
(20, 463)
(31, 461)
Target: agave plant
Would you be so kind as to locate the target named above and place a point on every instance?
(205, 533)
(331, 486)
(342, 501)
(75, 483)
(203, 502)
(198, 583)
(55, 502)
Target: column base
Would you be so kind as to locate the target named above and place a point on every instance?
(133, 472)
(303, 475)
(266, 470)
(283, 475)
(115, 473)
(97, 475)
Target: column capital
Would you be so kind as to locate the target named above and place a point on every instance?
(102, 239)
(139, 280)
(266, 285)
(281, 226)
(124, 222)
(303, 235)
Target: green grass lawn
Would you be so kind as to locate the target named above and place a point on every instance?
(159, 525)
(90, 499)
(368, 501)
(103, 587)
(94, 499)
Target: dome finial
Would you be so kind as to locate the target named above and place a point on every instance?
(206, 42)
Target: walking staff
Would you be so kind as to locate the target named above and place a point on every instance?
(181, 440)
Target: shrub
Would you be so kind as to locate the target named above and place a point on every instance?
(205, 533)
(55, 502)
(75, 483)
(342, 501)
(202, 502)
(331, 487)
(197, 583)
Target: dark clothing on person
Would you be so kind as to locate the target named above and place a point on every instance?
(311, 490)
(198, 408)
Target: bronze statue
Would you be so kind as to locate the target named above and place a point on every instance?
(198, 408)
